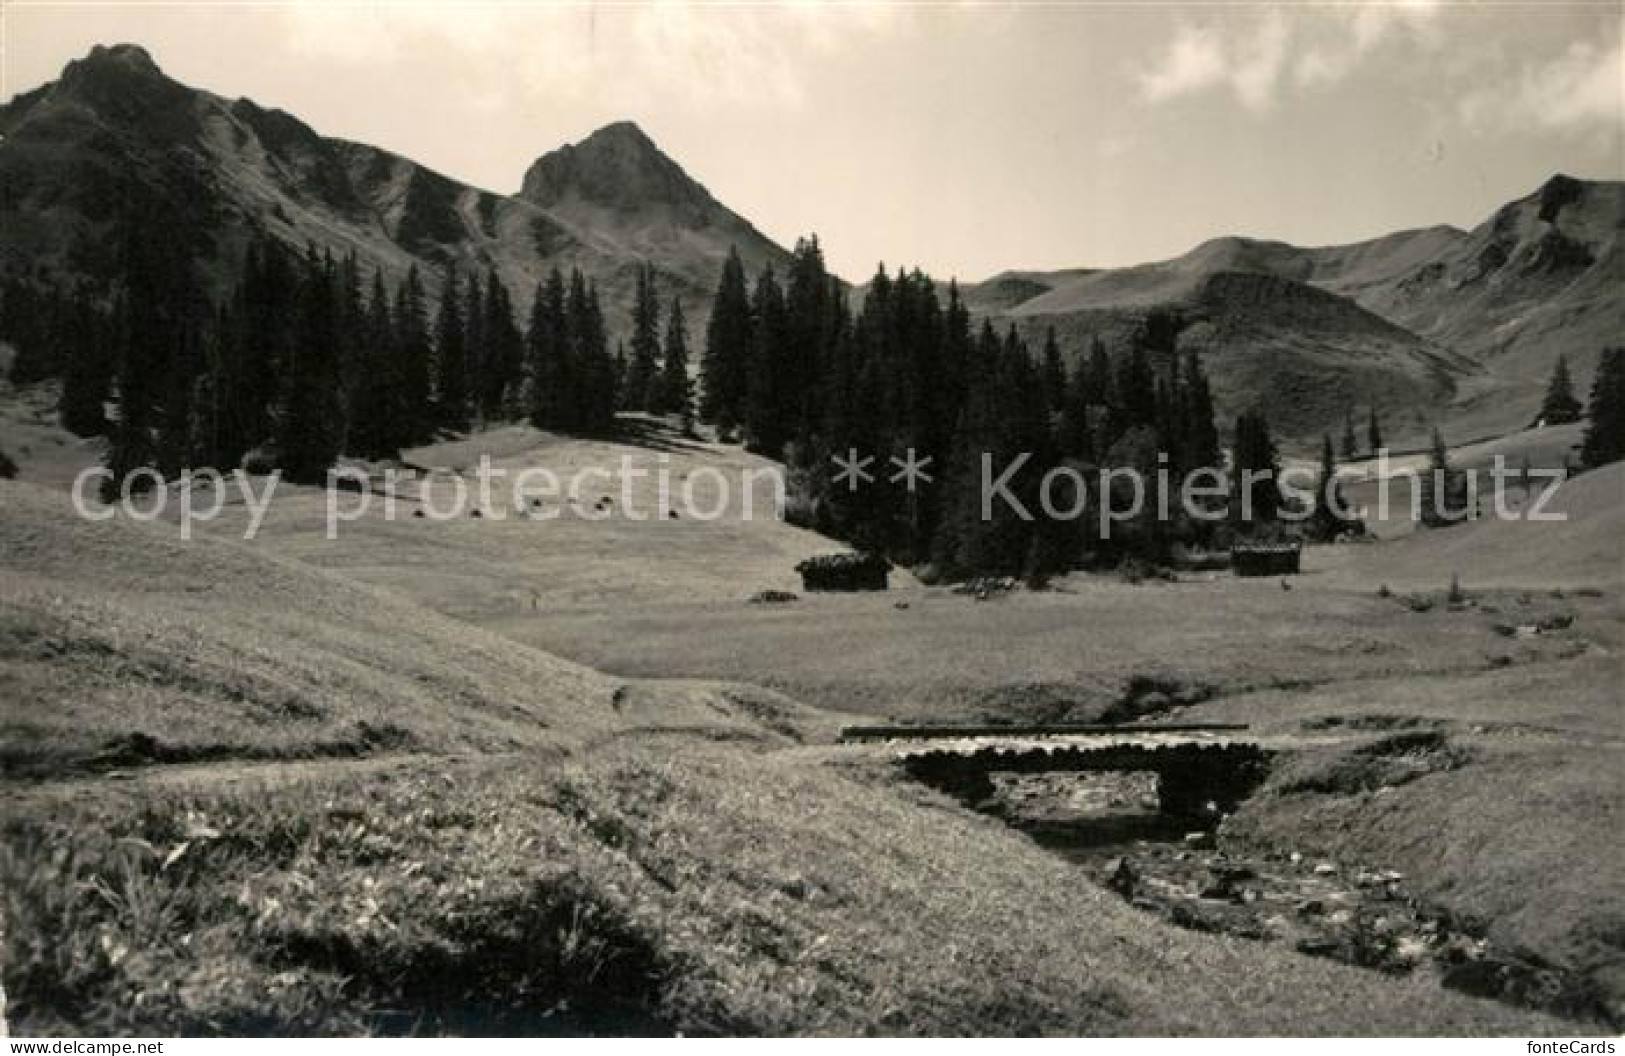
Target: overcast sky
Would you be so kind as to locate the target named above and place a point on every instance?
(964, 138)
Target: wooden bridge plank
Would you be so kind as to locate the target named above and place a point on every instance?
(939, 731)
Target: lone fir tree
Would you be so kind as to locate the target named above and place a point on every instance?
(1330, 516)
(1446, 495)
(1560, 405)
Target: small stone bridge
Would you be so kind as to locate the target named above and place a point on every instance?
(1196, 765)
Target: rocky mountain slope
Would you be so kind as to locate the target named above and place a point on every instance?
(1435, 324)
(1306, 355)
(115, 130)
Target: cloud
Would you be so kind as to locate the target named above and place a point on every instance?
(1580, 90)
(1354, 34)
(1194, 62)
(1576, 86)
(1204, 58)
(1255, 61)
(1259, 63)
(706, 55)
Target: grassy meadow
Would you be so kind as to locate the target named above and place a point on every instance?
(657, 885)
(563, 776)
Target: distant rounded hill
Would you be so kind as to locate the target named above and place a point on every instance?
(1431, 325)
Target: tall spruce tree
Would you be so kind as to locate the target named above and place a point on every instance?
(130, 443)
(349, 349)
(795, 381)
(1604, 439)
(576, 413)
(258, 349)
(182, 368)
(503, 360)
(1137, 388)
(1076, 437)
(1560, 405)
(1330, 517)
(474, 345)
(451, 355)
(1257, 470)
(207, 394)
(725, 365)
(310, 431)
(591, 371)
(642, 373)
(956, 353)
(1054, 374)
(157, 321)
(677, 391)
(1445, 496)
(1090, 390)
(968, 543)
(1102, 376)
(1373, 432)
(604, 381)
(377, 396)
(1203, 449)
(765, 428)
(622, 365)
(547, 364)
(414, 355)
(82, 408)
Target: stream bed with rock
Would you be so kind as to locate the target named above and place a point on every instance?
(1184, 871)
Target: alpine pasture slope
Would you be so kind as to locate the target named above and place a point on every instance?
(1367, 637)
(726, 881)
(547, 765)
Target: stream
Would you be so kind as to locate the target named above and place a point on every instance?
(1183, 871)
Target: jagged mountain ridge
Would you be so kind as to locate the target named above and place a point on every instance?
(113, 128)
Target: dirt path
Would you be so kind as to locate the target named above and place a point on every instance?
(212, 775)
